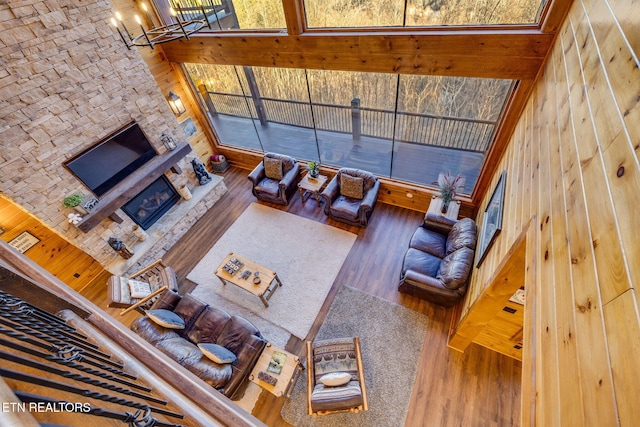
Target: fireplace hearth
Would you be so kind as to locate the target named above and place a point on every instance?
(152, 202)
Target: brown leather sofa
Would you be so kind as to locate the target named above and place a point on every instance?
(439, 260)
(345, 206)
(205, 324)
(275, 187)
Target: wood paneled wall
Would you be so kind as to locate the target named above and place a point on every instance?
(67, 262)
(572, 166)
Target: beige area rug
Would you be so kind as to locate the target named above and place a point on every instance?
(306, 255)
(391, 340)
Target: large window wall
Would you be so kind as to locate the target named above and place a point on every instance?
(404, 127)
(269, 14)
(406, 13)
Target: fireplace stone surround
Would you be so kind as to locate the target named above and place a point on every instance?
(166, 231)
(62, 91)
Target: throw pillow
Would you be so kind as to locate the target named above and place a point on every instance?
(217, 353)
(165, 318)
(351, 186)
(139, 289)
(335, 379)
(273, 168)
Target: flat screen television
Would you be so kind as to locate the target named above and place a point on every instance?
(111, 160)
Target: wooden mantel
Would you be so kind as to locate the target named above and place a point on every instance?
(132, 185)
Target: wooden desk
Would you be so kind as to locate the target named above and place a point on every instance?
(269, 280)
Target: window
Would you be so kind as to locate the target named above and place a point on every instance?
(401, 13)
(227, 14)
(269, 14)
(405, 127)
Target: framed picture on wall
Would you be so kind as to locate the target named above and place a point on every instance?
(189, 127)
(24, 241)
(492, 219)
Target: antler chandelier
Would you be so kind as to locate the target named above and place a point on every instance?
(183, 27)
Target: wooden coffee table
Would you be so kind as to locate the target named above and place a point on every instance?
(285, 380)
(269, 280)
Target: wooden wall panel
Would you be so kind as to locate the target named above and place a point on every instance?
(62, 259)
(508, 54)
(572, 164)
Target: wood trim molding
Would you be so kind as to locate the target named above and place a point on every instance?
(132, 185)
(294, 16)
(555, 15)
(511, 116)
(507, 54)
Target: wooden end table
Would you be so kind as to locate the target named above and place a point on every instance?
(308, 186)
(285, 380)
(436, 205)
(269, 280)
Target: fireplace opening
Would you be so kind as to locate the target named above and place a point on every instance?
(152, 202)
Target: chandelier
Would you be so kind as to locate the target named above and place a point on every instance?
(183, 27)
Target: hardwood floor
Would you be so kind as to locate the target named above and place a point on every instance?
(477, 388)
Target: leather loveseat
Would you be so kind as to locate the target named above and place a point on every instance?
(439, 260)
(205, 324)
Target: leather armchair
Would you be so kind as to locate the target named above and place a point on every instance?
(342, 206)
(271, 189)
(438, 263)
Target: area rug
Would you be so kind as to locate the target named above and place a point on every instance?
(391, 340)
(306, 255)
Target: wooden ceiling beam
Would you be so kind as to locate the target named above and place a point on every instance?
(507, 54)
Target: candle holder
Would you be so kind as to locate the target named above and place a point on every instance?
(183, 27)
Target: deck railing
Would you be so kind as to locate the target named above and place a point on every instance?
(442, 131)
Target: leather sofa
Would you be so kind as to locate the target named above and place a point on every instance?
(275, 187)
(205, 324)
(438, 263)
(345, 206)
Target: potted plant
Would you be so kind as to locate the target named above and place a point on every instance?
(314, 168)
(449, 186)
(72, 201)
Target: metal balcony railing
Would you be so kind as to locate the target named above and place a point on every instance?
(426, 129)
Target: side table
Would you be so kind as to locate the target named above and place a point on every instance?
(308, 186)
(435, 207)
(286, 379)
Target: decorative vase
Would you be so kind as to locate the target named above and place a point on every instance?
(184, 192)
(445, 207)
(314, 173)
(140, 233)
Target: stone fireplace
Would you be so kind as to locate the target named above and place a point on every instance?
(61, 92)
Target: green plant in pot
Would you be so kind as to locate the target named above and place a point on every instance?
(314, 168)
(72, 201)
(449, 187)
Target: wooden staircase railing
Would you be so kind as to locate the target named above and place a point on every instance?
(81, 358)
